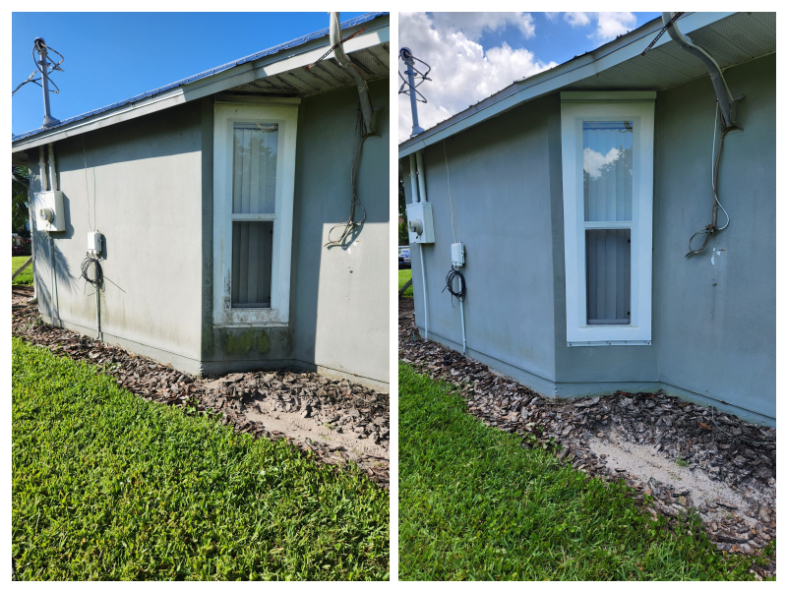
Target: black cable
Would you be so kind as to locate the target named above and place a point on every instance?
(462, 292)
(98, 271)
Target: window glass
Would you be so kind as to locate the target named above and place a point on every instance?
(608, 276)
(608, 170)
(255, 150)
(252, 253)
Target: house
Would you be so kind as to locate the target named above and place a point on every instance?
(569, 200)
(217, 208)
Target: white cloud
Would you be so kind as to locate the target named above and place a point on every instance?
(594, 161)
(578, 19)
(608, 25)
(463, 71)
(474, 24)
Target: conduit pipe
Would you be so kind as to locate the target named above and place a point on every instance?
(421, 176)
(53, 296)
(344, 61)
(722, 91)
(413, 178)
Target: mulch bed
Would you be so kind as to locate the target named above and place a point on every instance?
(365, 411)
(726, 448)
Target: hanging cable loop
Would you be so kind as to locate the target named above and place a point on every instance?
(716, 204)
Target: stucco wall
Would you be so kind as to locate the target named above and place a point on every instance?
(502, 208)
(342, 302)
(714, 313)
(139, 183)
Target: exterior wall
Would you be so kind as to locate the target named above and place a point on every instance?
(341, 301)
(502, 212)
(139, 184)
(714, 313)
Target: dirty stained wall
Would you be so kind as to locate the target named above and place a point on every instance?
(342, 309)
(138, 183)
(713, 334)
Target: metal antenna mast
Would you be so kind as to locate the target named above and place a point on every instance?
(39, 45)
(410, 87)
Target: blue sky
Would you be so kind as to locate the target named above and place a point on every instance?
(114, 56)
(474, 55)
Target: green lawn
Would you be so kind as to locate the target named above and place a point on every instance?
(109, 486)
(26, 278)
(474, 505)
(403, 277)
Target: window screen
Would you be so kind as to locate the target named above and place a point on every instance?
(255, 151)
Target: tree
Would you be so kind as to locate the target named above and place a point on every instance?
(20, 186)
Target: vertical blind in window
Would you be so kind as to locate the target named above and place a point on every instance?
(255, 150)
(608, 195)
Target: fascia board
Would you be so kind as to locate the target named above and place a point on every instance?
(585, 66)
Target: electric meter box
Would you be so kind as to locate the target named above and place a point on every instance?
(94, 243)
(420, 223)
(457, 255)
(49, 211)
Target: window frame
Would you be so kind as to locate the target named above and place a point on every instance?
(284, 113)
(578, 107)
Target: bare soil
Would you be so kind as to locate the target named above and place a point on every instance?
(333, 421)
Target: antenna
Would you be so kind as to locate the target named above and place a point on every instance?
(39, 46)
(405, 54)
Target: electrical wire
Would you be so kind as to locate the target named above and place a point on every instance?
(98, 273)
(357, 149)
(461, 293)
(423, 76)
(41, 48)
(716, 204)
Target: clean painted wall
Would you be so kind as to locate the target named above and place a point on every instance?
(343, 294)
(500, 190)
(139, 183)
(714, 313)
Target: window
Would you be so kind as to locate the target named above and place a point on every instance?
(253, 193)
(607, 155)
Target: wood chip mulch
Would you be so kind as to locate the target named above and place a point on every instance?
(727, 449)
(365, 411)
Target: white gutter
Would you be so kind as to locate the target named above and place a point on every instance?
(231, 78)
(585, 66)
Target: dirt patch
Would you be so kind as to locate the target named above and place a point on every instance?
(259, 403)
(725, 466)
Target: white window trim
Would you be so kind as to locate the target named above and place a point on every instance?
(638, 107)
(284, 113)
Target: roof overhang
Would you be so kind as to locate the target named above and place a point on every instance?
(269, 67)
(574, 74)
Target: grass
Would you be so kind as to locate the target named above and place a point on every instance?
(26, 278)
(475, 505)
(109, 486)
(403, 277)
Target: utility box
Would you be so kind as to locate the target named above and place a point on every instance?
(94, 243)
(420, 223)
(457, 255)
(49, 211)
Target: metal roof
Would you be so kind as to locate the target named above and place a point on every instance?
(376, 62)
(732, 38)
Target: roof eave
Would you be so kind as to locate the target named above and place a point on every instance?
(377, 32)
(609, 55)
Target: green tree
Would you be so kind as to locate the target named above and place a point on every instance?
(19, 189)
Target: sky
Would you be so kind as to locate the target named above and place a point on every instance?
(110, 57)
(474, 55)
